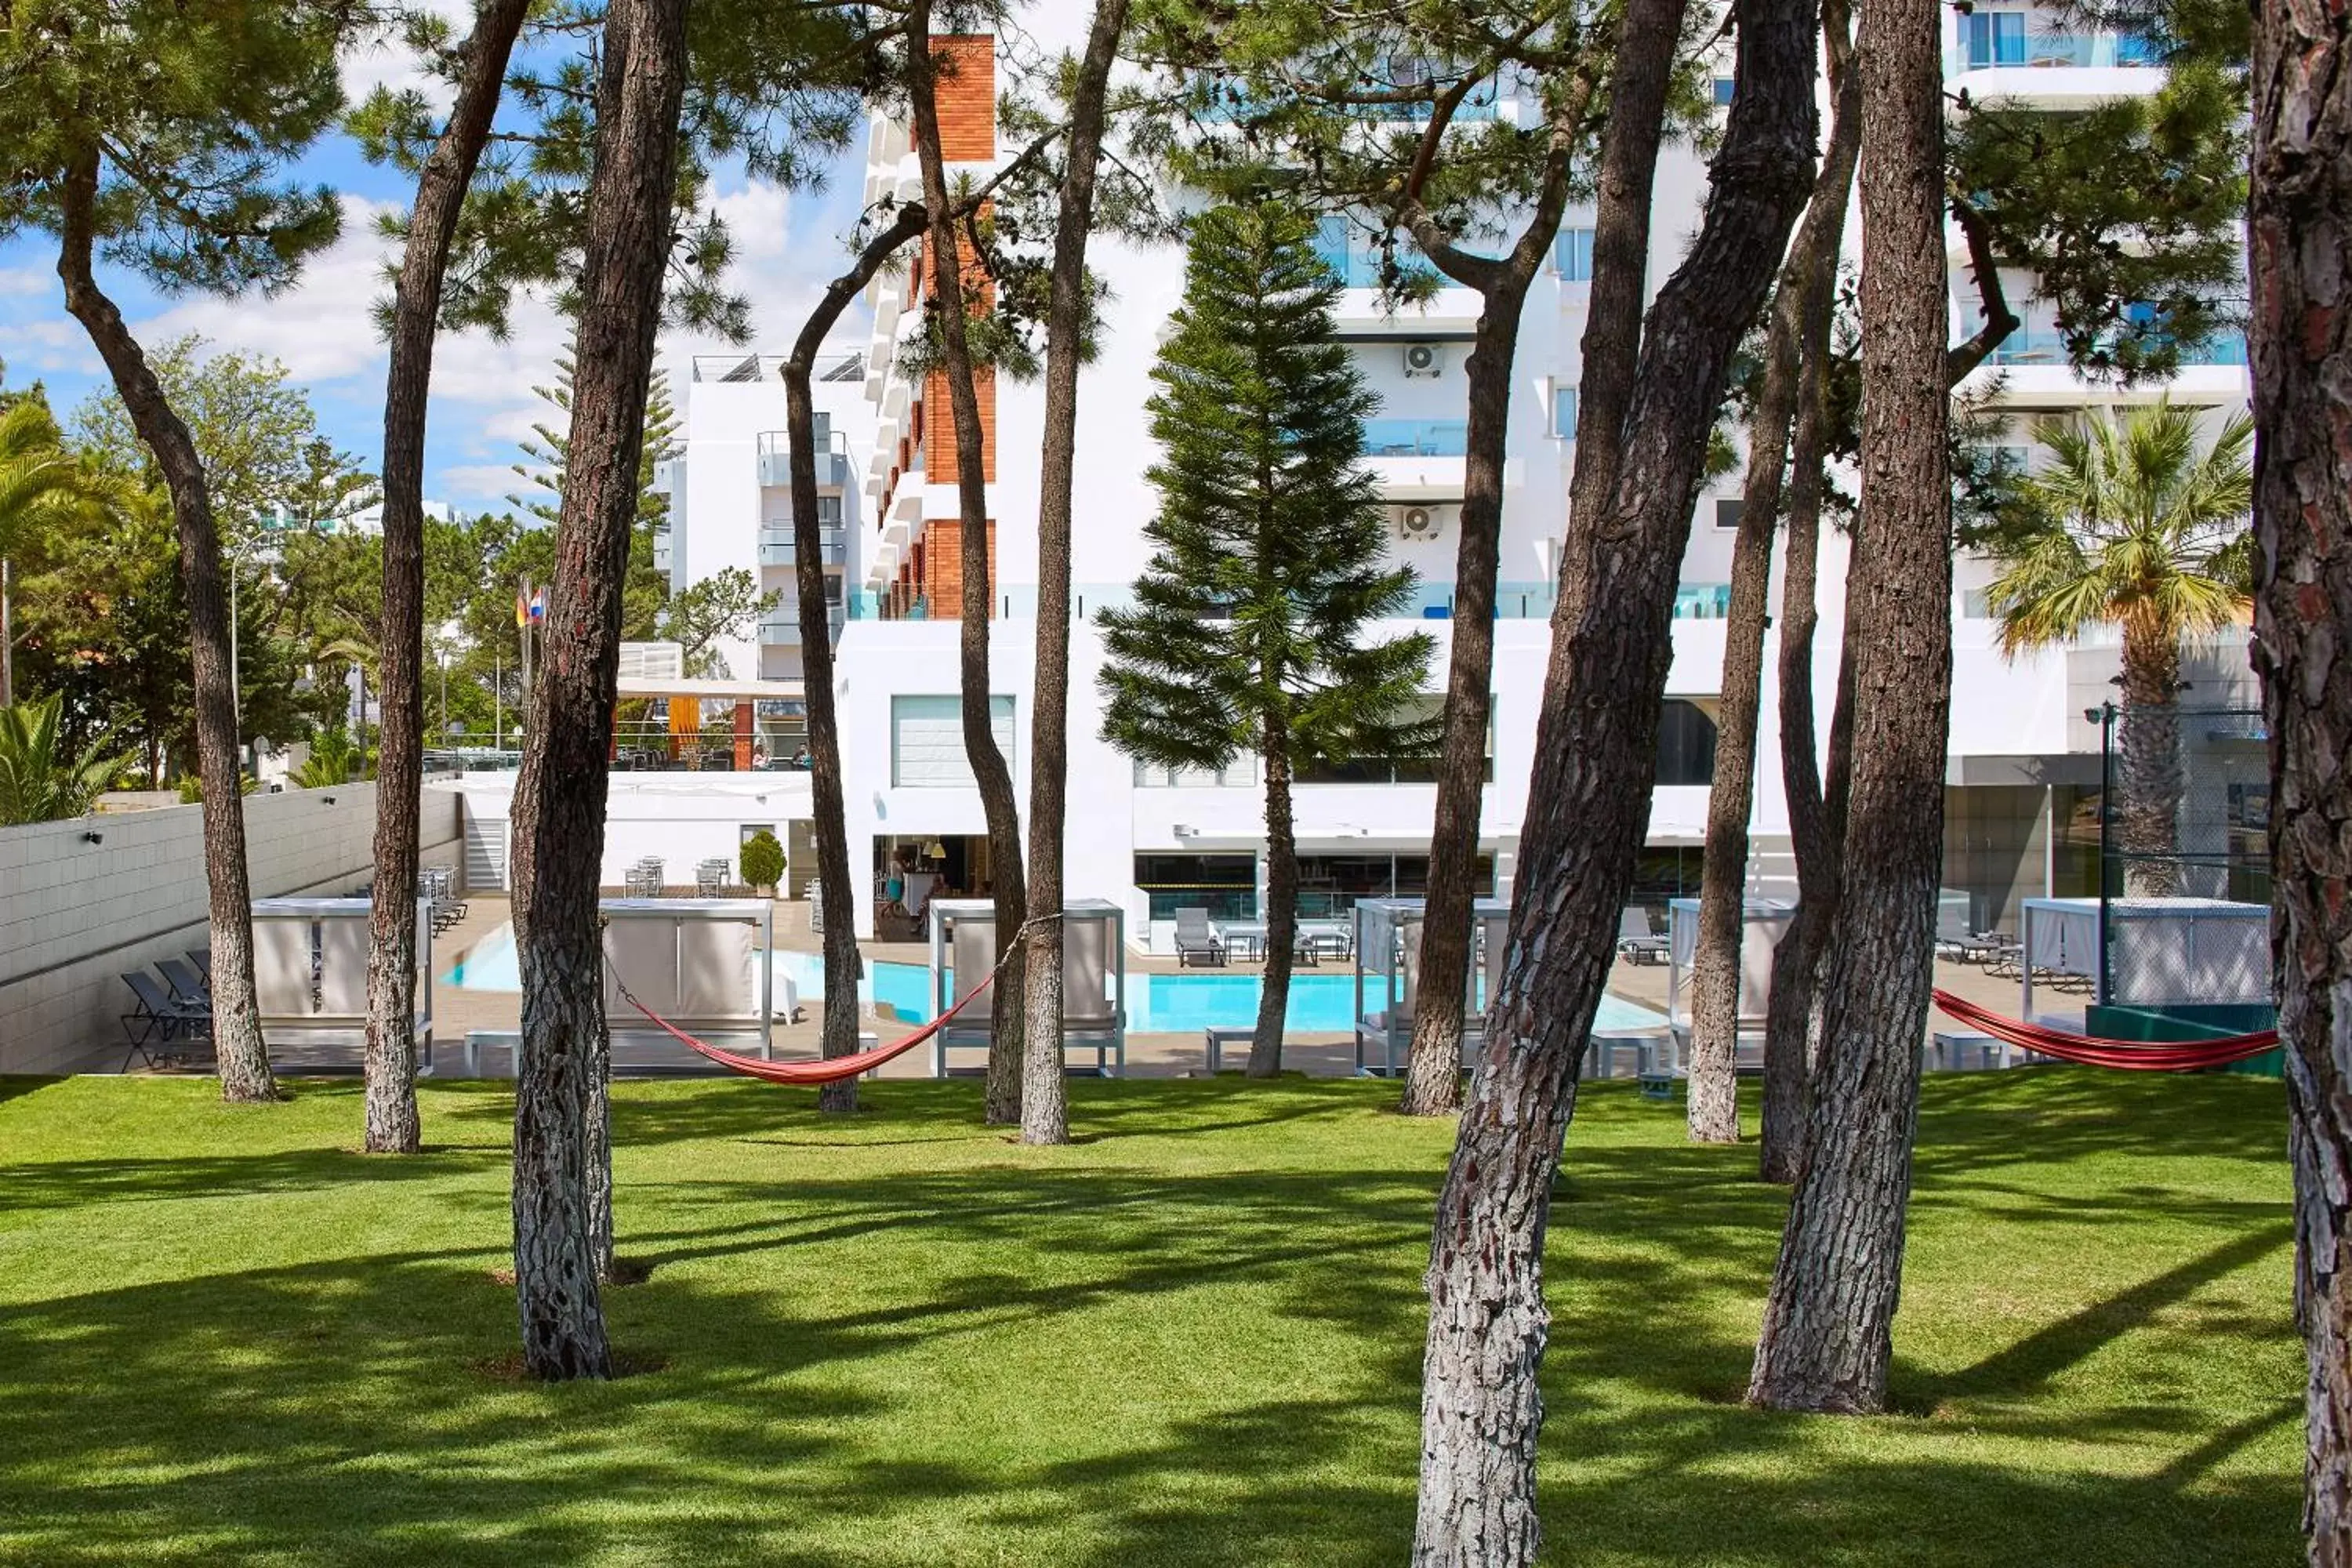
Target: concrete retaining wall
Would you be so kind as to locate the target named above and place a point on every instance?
(75, 916)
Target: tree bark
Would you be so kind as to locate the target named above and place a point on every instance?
(1827, 1337)
(1045, 1106)
(562, 1142)
(842, 967)
(1006, 1062)
(1281, 904)
(1589, 806)
(1800, 317)
(2149, 738)
(391, 1052)
(1433, 1063)
(237, 1043)
(2301, 230)
(1433, 1060)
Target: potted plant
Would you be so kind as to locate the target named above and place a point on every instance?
(762, 863)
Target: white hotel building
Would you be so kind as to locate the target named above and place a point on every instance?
(2024, 764)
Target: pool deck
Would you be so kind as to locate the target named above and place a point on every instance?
(1178, 1055)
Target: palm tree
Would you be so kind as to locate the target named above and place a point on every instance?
(2129, 525)
(40, 478)
(38, 782)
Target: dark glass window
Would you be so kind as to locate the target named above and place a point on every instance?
(1686, 744)
(1224, 885)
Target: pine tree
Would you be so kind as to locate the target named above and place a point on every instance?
(1248, 634)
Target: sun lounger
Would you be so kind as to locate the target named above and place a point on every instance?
(161, 1028)
(1635, 943)
(189, 989)
(1196, 941)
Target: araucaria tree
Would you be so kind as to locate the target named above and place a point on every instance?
(1827, 1336)
(2302, 337)
(2129, 524)
(159, 135)
(560, 1138)
(1248, 635)
(1386, 116)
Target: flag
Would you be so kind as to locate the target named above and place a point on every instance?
(539, 604)
(522, 608)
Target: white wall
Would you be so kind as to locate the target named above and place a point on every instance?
(76, 916)
(679, 817)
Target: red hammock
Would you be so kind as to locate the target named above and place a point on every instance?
(828, 1069)
(2089, 1050)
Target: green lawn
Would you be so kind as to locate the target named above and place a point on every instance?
(1194, 1338)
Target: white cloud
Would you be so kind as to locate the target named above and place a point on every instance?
(322, 328)
(385, 62)
(23, 282)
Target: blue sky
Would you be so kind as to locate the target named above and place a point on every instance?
(787, 244)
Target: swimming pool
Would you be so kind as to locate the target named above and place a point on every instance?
(1156, 1004)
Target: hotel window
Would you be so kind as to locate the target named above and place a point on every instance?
(1224, 885)
(1995, 37)
(1724, 86)
(1727, 510)
(1563, 411)
(1572, 254)
(1686, 744)
(927, 740)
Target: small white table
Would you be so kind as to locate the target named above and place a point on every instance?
(1220, 1036)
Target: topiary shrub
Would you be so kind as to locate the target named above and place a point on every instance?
(762, 861)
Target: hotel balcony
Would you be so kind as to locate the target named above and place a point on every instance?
(776, 546)
(832, 459)
(1417, 458)
(2033, 371)
(783, 628)
(1998, 56)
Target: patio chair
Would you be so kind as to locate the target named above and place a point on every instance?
(189, 989)
(1956, 941)
(200, 959)
(1196, 941)
(1635, 943)
(161, 1029)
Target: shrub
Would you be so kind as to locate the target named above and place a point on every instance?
(762, 860)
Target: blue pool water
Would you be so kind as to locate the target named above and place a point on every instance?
(1156, 1004)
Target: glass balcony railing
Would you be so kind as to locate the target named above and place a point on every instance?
(2047, 346)
(784, 630)
(776, 547)
(1416, 437)
(1528, 601)
(1991, 41)
(774, 454)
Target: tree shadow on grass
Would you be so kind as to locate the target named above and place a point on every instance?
(1095, 1361)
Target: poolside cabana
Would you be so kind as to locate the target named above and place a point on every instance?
(309, 974)
(701, 964)
(2159, 953)
(1388, 978)
(1763, 922)
(1094, 979)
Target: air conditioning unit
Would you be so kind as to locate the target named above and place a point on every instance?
(1423, 359)
(1419, 521)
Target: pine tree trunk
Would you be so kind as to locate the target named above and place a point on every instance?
(1044, 1117)
(835, 891)
(1281, 904)
(2151, 773)
(243, 1053)
(563, 1181)
(1010, 1084)
(1801, 303)
(2301, 223)
(1589, 806)
(391, 1053)
(1433, 1066)
(1827, 1336)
